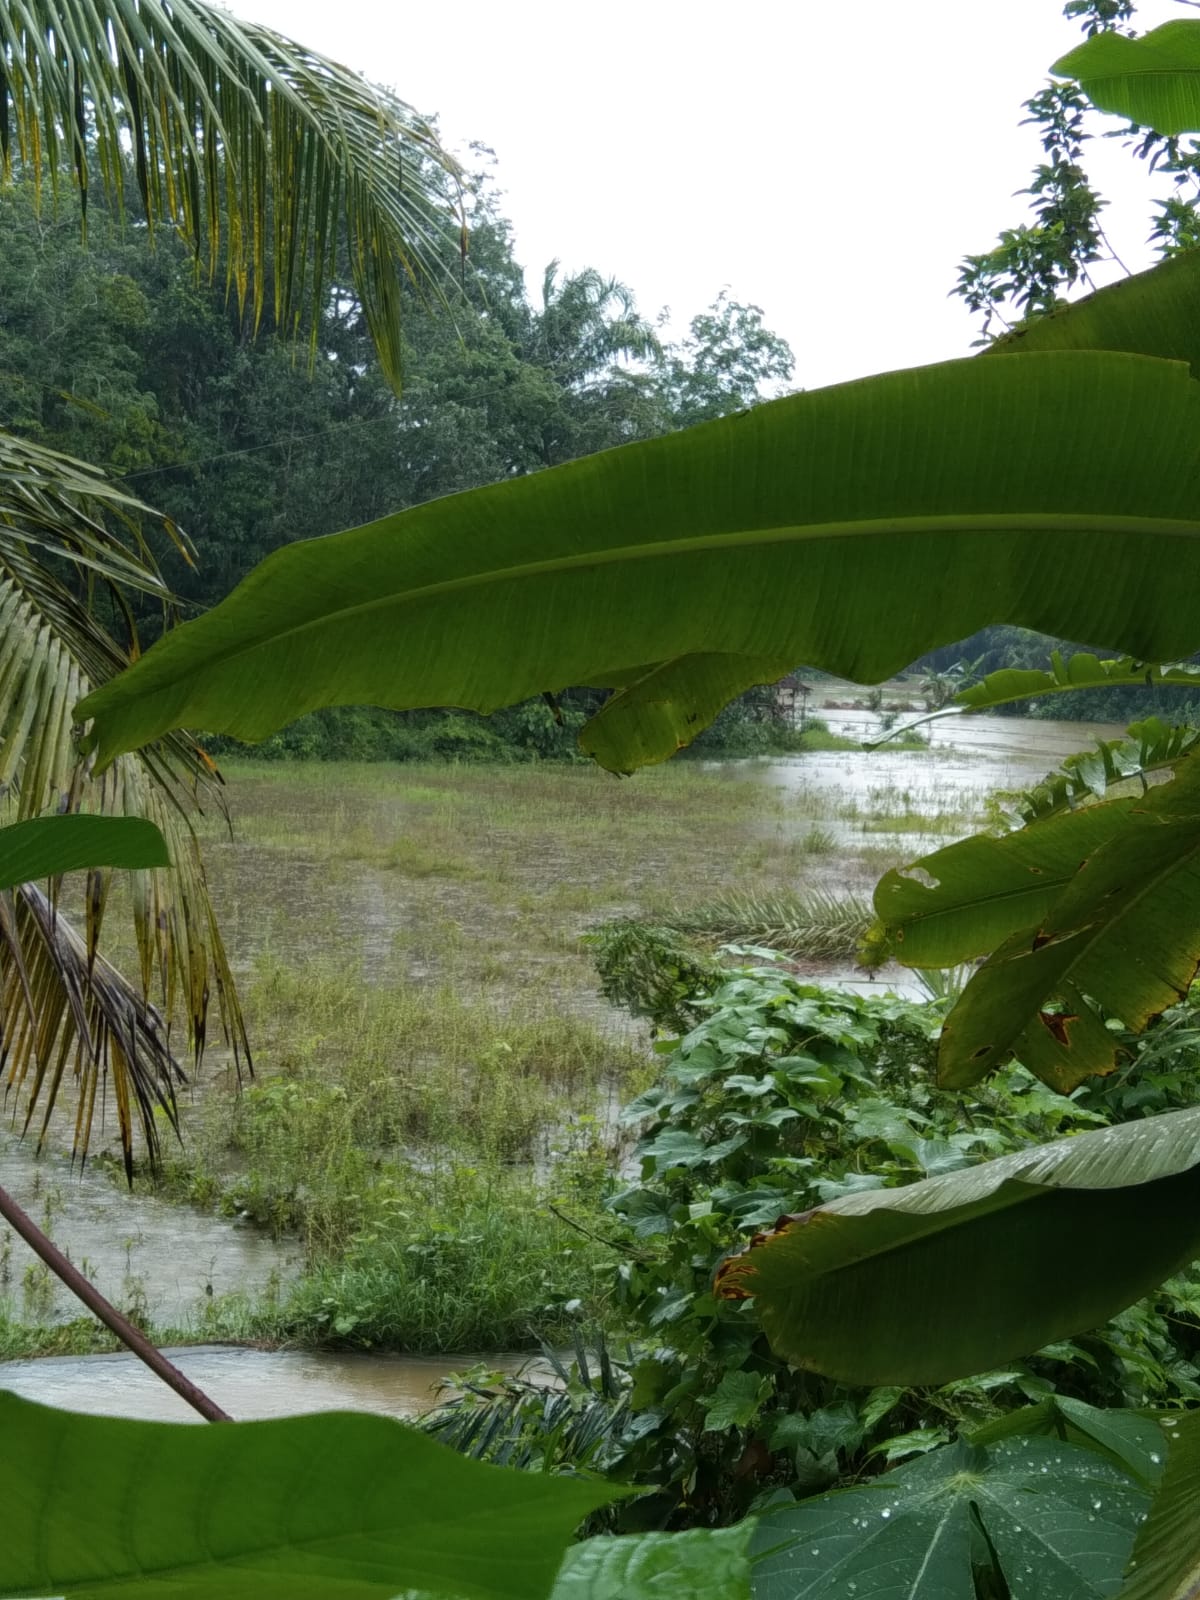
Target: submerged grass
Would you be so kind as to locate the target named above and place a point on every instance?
(357, 1082)
(434, 1067)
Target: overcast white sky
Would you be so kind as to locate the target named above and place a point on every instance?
(830, 160)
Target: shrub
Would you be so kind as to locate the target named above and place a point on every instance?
(785, 1096)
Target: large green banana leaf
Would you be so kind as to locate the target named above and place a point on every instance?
(962, 901)
(329, 1507)
(958, 1273)
(1151, 313)
(46, 846)
(1065, 675)
(1100, 904)
(851, 529)
(1153, 80)
(1166, 1557)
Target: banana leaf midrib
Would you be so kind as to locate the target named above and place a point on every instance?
(687, 546)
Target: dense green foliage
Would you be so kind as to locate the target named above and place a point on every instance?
(780, 1097)
(123, 357)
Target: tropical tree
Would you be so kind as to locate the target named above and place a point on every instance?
(290, 175)
(727, 358)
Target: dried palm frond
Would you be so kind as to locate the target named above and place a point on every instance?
(61, 1004)
(241, 140)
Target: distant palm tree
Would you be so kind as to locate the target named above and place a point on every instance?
(262, 155)
(586, 323)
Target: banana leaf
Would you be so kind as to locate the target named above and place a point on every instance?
(850, 529)
(960, 1273)
(1153, 80)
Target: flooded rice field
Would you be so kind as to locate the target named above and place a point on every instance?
(459, 894)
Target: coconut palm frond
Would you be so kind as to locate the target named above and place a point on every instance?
(66, 1014)
(814, 925)
(70, 1016)
(242, 140)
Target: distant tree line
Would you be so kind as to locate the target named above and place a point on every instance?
(130, 359)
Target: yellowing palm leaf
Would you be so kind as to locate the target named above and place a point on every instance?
(239, 138)
(65, 1012)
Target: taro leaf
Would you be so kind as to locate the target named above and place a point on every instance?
(46, 846)
(329, 1507)
(956, 1274)
(850, 528)
(1060, 1520)
(674, 1148)
(1153, 80)
(1166, 1557)
(702, 1564)
(1124, 932)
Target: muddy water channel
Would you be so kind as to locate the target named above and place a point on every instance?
(248, 1384)
(475, 882)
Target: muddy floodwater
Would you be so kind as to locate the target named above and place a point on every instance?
(249, 1384)
(481, 879)
(139, 1251)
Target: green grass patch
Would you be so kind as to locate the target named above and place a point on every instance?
(913, 822)
(357, 1082)
(460, 1260)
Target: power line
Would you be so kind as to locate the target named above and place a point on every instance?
(253, 449)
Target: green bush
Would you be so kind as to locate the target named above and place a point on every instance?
(786, 1096)
(457, 1260)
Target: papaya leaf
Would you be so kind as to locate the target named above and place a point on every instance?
(328, 1507)
(1166, 1557)
(1153, 80)
(959, 1273)
(708, 1564)
(850, 528)
(1131, 1440)
(1060, 1523)
(47, 846)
